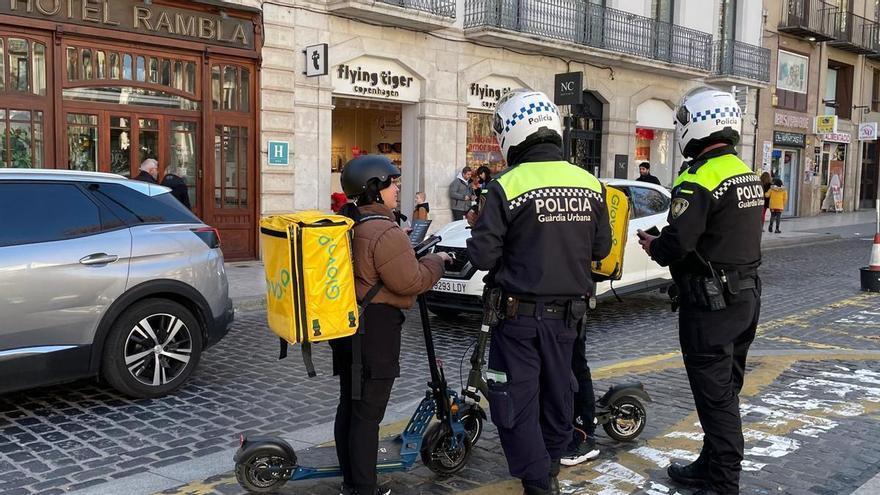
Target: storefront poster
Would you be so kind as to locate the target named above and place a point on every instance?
(835, 183)
(767, 157)
(868, 131)
(482, 147)
(792, 72)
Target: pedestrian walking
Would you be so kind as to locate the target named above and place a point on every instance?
(149, 171)
(388, 273)
(540, 260)
(778, 197)
(645, 174)
(178, 187)
(421, 210)
(712, 246)
(460, 193)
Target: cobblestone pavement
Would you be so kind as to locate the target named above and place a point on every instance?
(812, 398)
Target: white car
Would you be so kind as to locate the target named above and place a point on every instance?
(461, 288)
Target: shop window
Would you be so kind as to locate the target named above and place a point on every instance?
(120, 145)
(21, 138)
(124, 95)
(86, 64)
(141, 71)
(126, 67)
(230, 88)
(100, 64)
(154, 70)
(230, 166)
(24, 61)
(115, 73)
(82, 142)
(165, 79)
(482, 147)
(184, 155)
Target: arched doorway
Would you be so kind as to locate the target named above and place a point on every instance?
(582, 143)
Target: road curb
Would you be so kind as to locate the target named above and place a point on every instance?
(807, 240)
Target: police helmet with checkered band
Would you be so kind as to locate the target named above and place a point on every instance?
(706, 116)
(523, 118)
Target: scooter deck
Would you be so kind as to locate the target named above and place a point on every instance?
(388, 459)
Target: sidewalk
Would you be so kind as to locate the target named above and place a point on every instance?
(247, 283)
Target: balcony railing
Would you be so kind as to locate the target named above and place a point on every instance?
(737, 59)
(580, 22)
(442, 8)
(854, 33)
(808, 18)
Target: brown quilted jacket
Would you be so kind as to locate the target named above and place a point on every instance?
(382, 250)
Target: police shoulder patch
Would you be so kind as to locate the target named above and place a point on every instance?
(678, 207)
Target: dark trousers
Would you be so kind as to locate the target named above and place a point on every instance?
(533, 409)
(356, 429)
(775, 216)
(584, 399)
(714, 345)
(458, 214)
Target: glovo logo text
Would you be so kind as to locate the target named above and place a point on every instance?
(276, 288)
(331, 269)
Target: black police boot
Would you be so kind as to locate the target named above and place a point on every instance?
(554, 477)
(530, 488)
(695, 473)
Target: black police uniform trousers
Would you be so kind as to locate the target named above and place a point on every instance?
(584, 399)
(533, 409)
(356, 429)
(714, 345)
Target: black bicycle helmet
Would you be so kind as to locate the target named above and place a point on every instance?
(358, 172)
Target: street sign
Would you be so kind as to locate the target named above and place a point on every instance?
(789, 139)
(316, 60)
(868, 131)
(279, 153)
(826, 124)
(569, 88)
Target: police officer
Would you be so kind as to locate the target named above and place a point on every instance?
(713, 248)
(544, 220)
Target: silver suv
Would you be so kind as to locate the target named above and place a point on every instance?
(104, 276)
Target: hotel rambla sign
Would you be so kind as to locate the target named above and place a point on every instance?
(138, 17)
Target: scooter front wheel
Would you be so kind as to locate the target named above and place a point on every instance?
(628, 419)
(264, 471)
(472, 419)
(439, 454)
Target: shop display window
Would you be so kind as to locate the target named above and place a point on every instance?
(482, 147)
(25, 62)
(21, 138)
(362, 127)
(230, 86)
(230, 166)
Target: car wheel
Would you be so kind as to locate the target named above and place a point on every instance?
(444, 314)
(152, 348)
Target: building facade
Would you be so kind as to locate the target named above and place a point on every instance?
(818, 118)
(418, 81)
(217, 91)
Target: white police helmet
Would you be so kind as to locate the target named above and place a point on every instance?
(524, 117)
(706, 116)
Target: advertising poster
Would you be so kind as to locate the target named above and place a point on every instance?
(835, 183)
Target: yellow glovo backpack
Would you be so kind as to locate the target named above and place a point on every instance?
(611, 267)
(310, 288)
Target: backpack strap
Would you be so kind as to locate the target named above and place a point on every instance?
(357, 357)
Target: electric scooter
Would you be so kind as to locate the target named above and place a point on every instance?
(620, 411)
(265, 464)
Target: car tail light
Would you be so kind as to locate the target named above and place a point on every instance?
(209, 235)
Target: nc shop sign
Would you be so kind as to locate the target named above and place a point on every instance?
(279, 153)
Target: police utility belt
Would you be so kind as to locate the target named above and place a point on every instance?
(709, 291)
(571, 311)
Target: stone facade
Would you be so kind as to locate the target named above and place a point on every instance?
(299, 109)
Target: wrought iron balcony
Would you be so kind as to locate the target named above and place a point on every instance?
(442, 8)
(583, 23)
(808, 18)
(417, 14)
(741, 60)
(854, 33)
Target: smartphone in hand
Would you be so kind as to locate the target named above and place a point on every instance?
(654, 231)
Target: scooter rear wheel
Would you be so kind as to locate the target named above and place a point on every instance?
(264, 471)
(628, 419)
(438, 453)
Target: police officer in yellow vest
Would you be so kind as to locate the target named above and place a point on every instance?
(544, 220)
(713, 248)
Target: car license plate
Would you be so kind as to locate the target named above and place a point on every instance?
(450, 286)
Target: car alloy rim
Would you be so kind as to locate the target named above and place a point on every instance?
(157, 349)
